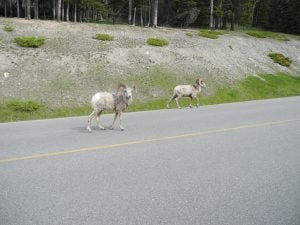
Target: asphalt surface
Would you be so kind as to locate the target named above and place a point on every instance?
(234, 164)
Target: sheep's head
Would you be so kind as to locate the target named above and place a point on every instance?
(200, 83)
(127, 92)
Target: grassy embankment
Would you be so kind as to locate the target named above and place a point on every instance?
(252, 88)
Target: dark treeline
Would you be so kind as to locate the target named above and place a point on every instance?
(276, 15)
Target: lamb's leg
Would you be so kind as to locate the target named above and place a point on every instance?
(172, 98)
(91, 116)
(191, 106)
(197, 102)
(176, 99)
(98, 120)
(111, 126)
(120, 119)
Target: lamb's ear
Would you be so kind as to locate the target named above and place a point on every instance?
(121, 85)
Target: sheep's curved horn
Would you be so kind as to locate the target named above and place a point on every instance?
(122, 86)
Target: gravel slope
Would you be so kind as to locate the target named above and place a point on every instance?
(72, 65)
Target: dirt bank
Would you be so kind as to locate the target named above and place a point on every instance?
(72, 65)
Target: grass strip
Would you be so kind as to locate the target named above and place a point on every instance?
(263, 86)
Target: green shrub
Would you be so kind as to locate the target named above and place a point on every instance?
(280, 59)
(257, 34)
(189, 34)
(104, 37)
(23, 106)
(8, 28)
(30, 41)
(210, 34)
(157, 42)
(268, 34)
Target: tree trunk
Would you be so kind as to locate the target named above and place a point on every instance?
(58, 10)
(62, 10)
(142, 23)
(155, 13)
(232, 23)
(54, 10)
(67, 12)
(5, 10)
(36, 9)
(75, 11)
(149, 10)
(28, 6)
(211, 25)
(10, 9)
(129, 11)
(252, 13)
(133, 22)
(18, 9)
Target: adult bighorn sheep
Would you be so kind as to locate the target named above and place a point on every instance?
(118, 102)
(187, 91)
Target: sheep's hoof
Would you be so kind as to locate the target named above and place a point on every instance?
(102, 128)
(168, 106)
(89, 130)
(179, 107)
(122, 128)
(111, 128)
(191, 106)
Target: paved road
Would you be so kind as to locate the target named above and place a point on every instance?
(234, 164)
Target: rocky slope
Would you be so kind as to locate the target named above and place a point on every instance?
(72, 65)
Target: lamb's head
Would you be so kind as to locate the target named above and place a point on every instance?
(200, 83)
(126, 92)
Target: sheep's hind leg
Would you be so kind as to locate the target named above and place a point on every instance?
(191, 106)
(178, 106)
(91, 116)
(172, 98)
(98, 120)
(111, 126)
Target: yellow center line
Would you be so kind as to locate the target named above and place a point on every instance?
(166, 138)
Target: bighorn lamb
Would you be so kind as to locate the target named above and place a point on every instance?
(187, 91)
(117, 102)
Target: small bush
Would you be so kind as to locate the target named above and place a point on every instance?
(104, 37)
(268, 34)
(23, 106)
(210, 34)
(157, 42)
(280, 59)
(8, 28)
(257, 34)
(30, 41)
(189, 34)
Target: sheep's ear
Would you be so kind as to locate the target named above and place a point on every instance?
(134, 88)
(198, 81)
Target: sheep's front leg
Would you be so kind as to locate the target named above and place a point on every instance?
(111, 126)
(120, 119)
(91, 116)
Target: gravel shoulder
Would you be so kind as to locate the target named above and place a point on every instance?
(72, 65)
